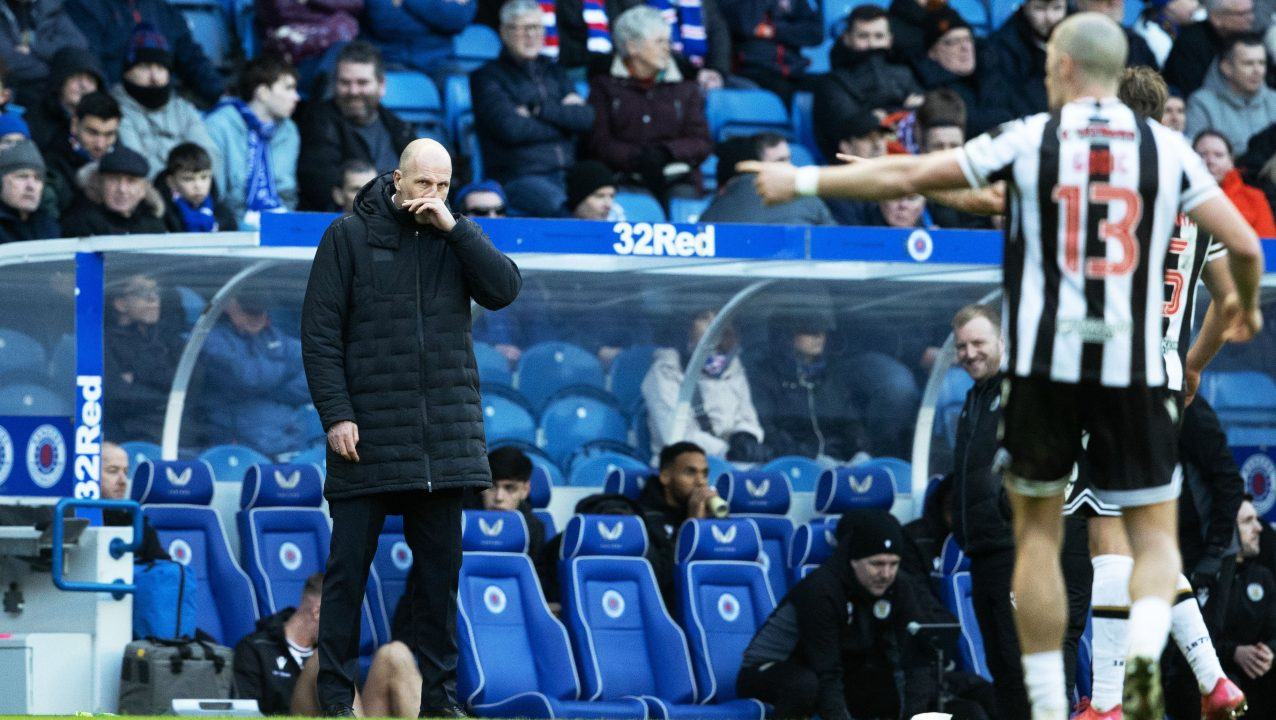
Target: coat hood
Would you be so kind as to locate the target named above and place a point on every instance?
(71, 61)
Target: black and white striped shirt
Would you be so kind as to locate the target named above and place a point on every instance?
(1189, 251)
(1093, 193)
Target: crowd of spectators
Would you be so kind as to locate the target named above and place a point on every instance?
(587, 98)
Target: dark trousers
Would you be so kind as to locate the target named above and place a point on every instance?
(990, 581)
(432, 530)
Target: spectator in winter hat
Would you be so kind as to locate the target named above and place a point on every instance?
(155, 118)
(12, 129)
(21, 185)
(953, 60)
(481, 199)
(73, 73)
(591, 192)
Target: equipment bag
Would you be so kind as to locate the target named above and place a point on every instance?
(164, 602)
(155, 672)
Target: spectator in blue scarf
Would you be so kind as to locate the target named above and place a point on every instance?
(259, 142)
(190, 205)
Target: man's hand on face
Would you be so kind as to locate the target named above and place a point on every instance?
(696, 507)
(431, 211)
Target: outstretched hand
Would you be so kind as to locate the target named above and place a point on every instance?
(775, 182)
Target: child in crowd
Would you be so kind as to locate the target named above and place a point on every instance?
(191, 205)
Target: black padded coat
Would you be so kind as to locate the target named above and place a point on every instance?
(385, 338)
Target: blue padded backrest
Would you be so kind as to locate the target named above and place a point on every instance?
(504, 418)
(493, 368)
(226, 605)
(970, 653)
(281, 548)
(625, 641)
(299, 485)
(813, 543)
(628, 369)
(139, 452)
(628, 482)
(735, 539)
(572, 421)
(777, 543)
(494, 531)
(801, 472)
(722, 603)
(509, 641)
(230, 462)
(952, 559)
(899, 471)
(593, 471)
(173, 482)
(850, 488)
(392, 562)
(732, 112)
(547, 520)
(756, 491)
(541, 487)
(546, 368)
(609, 535)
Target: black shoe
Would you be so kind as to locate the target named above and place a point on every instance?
(450, 711)
(338, 711)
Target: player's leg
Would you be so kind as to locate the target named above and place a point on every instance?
(305, 693)
(393, 688)
(1111, 558)
(1041, 607)
(1152, 530)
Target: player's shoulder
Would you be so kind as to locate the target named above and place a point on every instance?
(1021, 126)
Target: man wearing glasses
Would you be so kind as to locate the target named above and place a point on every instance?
(481, 199)
(528, 115)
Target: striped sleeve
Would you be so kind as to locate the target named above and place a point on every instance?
(985, 157)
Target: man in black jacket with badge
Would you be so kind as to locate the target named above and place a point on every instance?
(1248, 640)
(389, 358)
(838, 645)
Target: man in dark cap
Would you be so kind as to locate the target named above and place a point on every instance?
(73, 73)
(591, 191)
(21, 183)
(118, 200)
(838, 644)
(804, 399)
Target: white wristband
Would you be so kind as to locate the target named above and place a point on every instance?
(807, 181)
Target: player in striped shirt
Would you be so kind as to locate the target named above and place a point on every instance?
(1094, 191)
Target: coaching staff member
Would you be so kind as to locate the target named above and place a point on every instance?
(389, 358)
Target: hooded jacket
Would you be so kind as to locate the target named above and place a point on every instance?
(1212, 487)
(808, 413)
(51, 29)
(230, 133)
(986, 95)
(154, 133)
(385, 340)
(50, 123)
(856, 644)
(516, 146)
(981, 510)
(265, 670)
(1216, 106)
(108, 27)
(795, 24)
(859, 82)
(330, 140)
(724, 404)
(1194, 51)
(1021, 58)
(1251, 202)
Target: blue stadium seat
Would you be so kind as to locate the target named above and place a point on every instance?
(801, 157)
(493, 368)
(22, 357)
(626, 643)
(415, 98)
(593, 471)
(175, 498)
(803, 124)
(850, 488)
(575, 420)
(307, 418)
(1001, 11)
(640, 206)
(284, 539)
(506, 417)
(62, 360)
(813, 543)
(764, 497)
(819, 56)
(723, 599)
(976, 12)
(801, 472)
(970, 651)
(209, 28)
(314, 455)
(952, 559)
(515, 658)
(899, 471)
(951, 400)
(709, 173)
(230, 462)
(719, 466)
(687, 210)
(458, 113)
(628, 481)
(139, 452)
(1251, 436)
(624, 379)
(733, 112)
(1245, 397)
(193, 304)
(542, 488)
(474, 46)
(835, 11)
(546, 368)
(33, 399)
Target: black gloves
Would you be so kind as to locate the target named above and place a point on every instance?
(743, 447)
